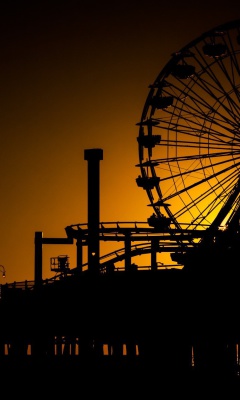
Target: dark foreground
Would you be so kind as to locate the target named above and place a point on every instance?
(114, 380)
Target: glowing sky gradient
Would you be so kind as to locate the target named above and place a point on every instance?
(75, 75)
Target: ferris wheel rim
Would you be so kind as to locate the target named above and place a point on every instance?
(221, 115)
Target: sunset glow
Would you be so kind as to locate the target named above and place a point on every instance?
(76, 78)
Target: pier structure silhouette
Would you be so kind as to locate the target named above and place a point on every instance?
(99, 317)
(110, 316)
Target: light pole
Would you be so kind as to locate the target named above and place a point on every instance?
(3, 271)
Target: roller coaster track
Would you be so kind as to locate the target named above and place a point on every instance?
(168, 241)
(138, 231)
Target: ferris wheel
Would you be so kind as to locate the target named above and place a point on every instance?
(189, 135)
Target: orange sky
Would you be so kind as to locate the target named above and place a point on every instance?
(74, 76)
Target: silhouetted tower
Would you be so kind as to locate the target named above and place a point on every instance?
(93, 156)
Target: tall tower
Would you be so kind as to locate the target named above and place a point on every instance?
(93, 156)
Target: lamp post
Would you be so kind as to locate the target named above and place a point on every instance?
(3, 271)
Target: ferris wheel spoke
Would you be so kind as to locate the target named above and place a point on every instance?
(195, 116)
(198, 106)
(221, 98)
(200, 182)
(193, 169)
(159, 161)
(221, 191)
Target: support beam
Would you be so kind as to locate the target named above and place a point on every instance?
(154, 248)
(127, 252)
(38, 259)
